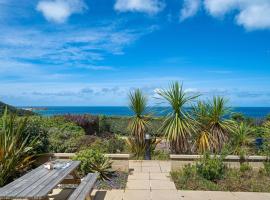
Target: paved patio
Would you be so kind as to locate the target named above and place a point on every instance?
(150, 180)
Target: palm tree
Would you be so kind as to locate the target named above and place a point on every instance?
(178, 124)
(15, 148)
(139, 123)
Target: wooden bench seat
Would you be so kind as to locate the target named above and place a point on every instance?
(83, 191)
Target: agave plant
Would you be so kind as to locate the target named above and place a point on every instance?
(178, 125)
(241, 137)
(15, 149)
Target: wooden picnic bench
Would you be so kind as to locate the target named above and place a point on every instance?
(38, 183)
(83, 191)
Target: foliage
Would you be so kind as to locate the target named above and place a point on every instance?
(138, 124)
(241, 137)
(135, 147)
(35, 128)
(211, 169)
(89, 123)
(238, 117)
(15, 148)
(212, 127)
(64, 137)
(93, 161)
(267, 167)
(233, 180)
(245, 167)
(114, 144)
(160, 155)
(178, 125)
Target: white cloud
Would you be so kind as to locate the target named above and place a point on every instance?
(255, 17)
(251, 14)
(190, 8)
(59, 11)
(146, 6)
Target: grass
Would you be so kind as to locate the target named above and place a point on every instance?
(235, 180)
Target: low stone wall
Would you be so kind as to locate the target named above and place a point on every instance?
(178, 161)
(120, 162)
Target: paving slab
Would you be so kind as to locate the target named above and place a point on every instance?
(159, 176)
(109, 195)
(251, 195)
(137, 195)
(162, 185)
(135, 169)
(193, 195)
(138, 185)
(151, 169)
(139, 176)
(164, 195)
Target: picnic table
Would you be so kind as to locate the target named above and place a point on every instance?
(38, 183)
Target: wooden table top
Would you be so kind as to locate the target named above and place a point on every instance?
(38, 183)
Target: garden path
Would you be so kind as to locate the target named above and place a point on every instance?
(150, 180)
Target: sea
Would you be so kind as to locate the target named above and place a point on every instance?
(254, 112)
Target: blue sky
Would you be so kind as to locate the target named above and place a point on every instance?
(92, 52)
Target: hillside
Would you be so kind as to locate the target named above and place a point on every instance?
(12, 109)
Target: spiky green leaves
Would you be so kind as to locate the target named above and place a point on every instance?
(178, 125)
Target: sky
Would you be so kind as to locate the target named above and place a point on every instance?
(93, 52)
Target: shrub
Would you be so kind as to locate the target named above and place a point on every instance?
(160, 155)
(89, 123)
(267, 167)
(93, 161)
(211, 168)
(35, 128)
(115, 145)
(63, 136)
(16, 149)
(245, 167)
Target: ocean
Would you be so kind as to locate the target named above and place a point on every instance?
(254, 112)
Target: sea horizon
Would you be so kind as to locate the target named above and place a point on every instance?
(254, 112)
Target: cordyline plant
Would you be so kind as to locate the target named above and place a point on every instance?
(138, 124)
(178, 125)
(212, 127)
(15, 148)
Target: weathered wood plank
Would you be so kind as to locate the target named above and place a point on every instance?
(23, 181)
(37, 183)
(84, 189)
(44, 188)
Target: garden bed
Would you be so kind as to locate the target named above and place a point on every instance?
(236, 180)
(117, 180)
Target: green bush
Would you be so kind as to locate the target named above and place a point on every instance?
(63, 136)
(267, 167)
(114, 144)
(160, 155)
(35, 128)
(93, 161)
(211, 168)
(245, 167)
